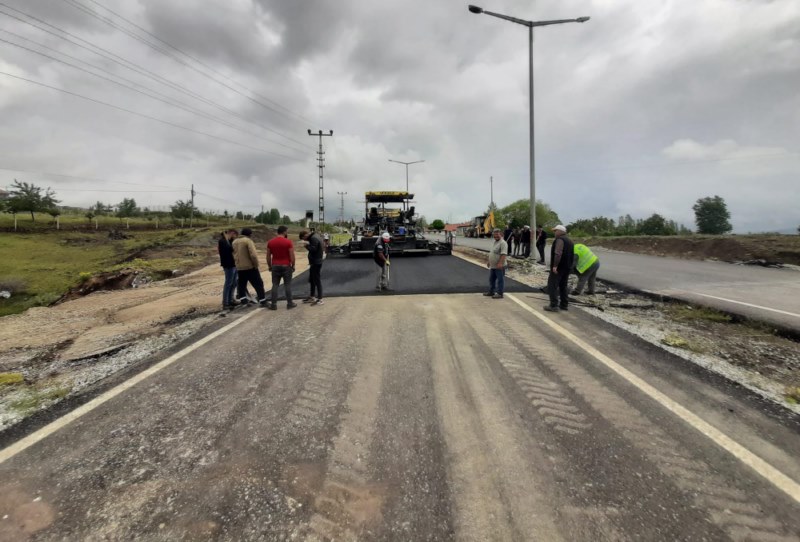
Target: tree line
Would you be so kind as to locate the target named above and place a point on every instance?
(711, 217)
(29, 198)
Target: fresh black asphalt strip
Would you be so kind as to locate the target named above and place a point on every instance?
(343, 276)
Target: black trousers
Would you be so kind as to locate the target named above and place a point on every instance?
(540, 248)
(315, 278)
(557, 287)
(253, 276)
(284, 272)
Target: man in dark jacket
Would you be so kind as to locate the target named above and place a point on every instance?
(562, 253)
(316, 253)
(526, 241)
(225, 249)
(541, 241)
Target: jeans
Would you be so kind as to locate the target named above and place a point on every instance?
(282, 272)
(557, 287)
(590, 275)
(526, 249)
(253, 276)
(497, 276)
(315, 278)
(229, 290)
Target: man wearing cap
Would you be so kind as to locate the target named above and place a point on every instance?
(498, 259)
(246, 259)
(586, 266)
(561, 257)
(381, 256)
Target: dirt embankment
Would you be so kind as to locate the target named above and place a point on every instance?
(47, 353)
(783, 249)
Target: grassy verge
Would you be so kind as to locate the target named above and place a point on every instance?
(38, 268)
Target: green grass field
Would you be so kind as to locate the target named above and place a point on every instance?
(72, 221)
(40, 267)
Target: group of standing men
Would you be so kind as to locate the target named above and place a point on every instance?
(518, 241)
(239, 260)
(566, 257)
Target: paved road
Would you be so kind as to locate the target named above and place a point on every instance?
(408, 275)
(433, 417)
(771, 295)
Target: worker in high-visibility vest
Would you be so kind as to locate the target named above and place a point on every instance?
(586, 266)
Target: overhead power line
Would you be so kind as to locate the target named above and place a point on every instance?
(163, 97)
(127, 64)
(176, 58)
(87, 98)
(78, 177)
(98, 4)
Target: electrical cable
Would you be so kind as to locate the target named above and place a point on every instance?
(166, 99)
(75, 94)
(108, 55)
(166, 53)
(47, 173)
(199, 61)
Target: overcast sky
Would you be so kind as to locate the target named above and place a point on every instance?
(647, 107)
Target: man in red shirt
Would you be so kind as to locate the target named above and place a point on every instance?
(280, 262)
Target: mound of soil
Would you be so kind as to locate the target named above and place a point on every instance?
(734, 248)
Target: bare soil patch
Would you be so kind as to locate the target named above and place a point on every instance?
(783, 249)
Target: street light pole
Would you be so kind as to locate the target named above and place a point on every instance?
(530, 25)
(406, 164)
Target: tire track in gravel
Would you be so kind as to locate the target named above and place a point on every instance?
(495, 495)
(349, 504)
(598, 479)
(730, 508)
(409, 455)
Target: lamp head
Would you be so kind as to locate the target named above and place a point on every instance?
(309, 131)
(582, 19)
(475, 9)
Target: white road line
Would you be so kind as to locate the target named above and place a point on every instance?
(773, 475)
(743, 303)
(49, 429)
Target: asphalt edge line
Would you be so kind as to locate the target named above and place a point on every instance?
(28, 441)
(764, 469)
(742, 303)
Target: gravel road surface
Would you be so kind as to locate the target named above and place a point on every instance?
(770, 295)
(431, 417)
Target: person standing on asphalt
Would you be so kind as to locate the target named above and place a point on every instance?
(561, 256)
(526, 241)
(498, 259)
(225, 249)
(541, 241)
(381, 256)
(280, 262)
(316, 254)
(244, 254)
(586, 266)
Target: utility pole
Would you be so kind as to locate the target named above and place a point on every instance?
(321, 165)
(191, 211)
(341, 207)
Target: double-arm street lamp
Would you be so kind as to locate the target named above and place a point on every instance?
(406, 164)
(530, 25)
